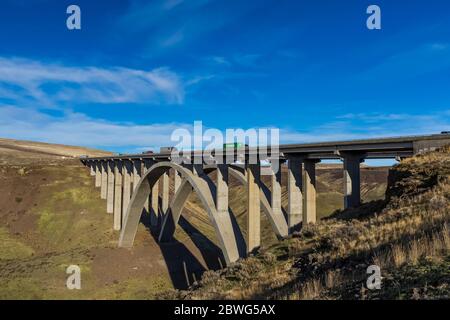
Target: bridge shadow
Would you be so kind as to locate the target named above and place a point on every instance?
(364, 211)
(240, 239)
(371, 208)
(212, 254)
(266, 190)
(183, 266)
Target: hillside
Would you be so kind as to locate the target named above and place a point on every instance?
(406, 235)
(52, 216)
(29, 152)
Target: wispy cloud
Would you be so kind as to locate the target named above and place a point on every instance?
(247, 60)
(217, 60)
(370, 125)
(173, 39)
(166, 19)
(50, 84)
(375, 117)
(79, 129)
(239, 59)
(439, 46)
(167, 24)
(422, 59)
(143, 15)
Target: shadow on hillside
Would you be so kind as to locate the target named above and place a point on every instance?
(370, 208)
(184, 267)
(365, 210)
(240, 240)
(210, 252)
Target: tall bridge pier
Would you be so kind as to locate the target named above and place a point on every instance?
(139, 184)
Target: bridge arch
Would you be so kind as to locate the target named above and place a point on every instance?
(278, 221)
(228, 234)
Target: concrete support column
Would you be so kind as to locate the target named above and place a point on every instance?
(117, 195)
(110, 191)
(276, 191)
(145, 165)
(126, 173)
(309, 192)
(295, 197)
(165, 193)
(92, 168)
(352, 179)
(98, 174)
(222, 189)
(253, 207)
(154, 201)
(136, 173)
(176, 181)
(104, 179)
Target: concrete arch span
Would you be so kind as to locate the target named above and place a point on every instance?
(228, 234)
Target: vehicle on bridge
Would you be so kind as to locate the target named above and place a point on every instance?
(234, 145)
(167, 149)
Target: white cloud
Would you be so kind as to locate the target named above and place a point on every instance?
(372, 117)
(79, 129)
(23, 80)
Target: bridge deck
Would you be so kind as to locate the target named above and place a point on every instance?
(371, 148)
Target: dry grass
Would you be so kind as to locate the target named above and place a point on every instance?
(434, 247)
(311, 289)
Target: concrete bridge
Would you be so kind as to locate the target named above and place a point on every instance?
(130, 185)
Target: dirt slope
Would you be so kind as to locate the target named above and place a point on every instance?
(29, 152)
(52, 216)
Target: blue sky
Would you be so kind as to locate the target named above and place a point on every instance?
(137, 70)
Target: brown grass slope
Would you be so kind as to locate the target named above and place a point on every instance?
(30, 152)
(406, 235)
(51, 217)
